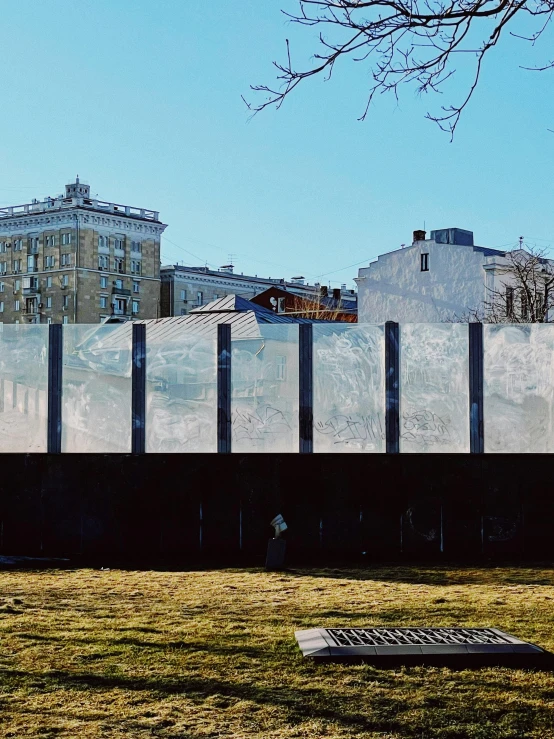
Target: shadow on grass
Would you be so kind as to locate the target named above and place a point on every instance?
(439, 574)
(372, 712)
(295, 704)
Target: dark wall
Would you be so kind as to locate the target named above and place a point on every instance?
(194, 508)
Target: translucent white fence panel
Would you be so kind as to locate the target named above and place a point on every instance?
(349, 388)
(434, 387)
(519, 388)
(181, 392)
(264, 384)
(96, 388)
(23, 388)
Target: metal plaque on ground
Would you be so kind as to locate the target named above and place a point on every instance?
(414, 644)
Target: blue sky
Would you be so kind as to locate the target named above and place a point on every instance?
(143, 100)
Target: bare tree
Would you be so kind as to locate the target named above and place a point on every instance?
(523, 291)
(406, 41)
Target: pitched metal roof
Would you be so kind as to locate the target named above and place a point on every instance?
(244, 317)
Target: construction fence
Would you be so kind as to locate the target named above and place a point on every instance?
(308, 388)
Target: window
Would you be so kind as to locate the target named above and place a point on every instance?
(50, 262)
(48, 320)
(48, 282)
(3, 268)
(66, 260)
(18, 244)
(2, 247)
(30, 283)
(33, 244)
(16, 266)
(1, 306)
(119, 284)
(16, 286)
(425, 262)
(135, 307)
(103, 262)
(31, 264)
(183, 294)
(65, 319)
(136, 246)
(103, 242)
(281, 367)
(103, 301)
(136, 286)
(119, 242)
(49, 302)
(199, 298)
(2, 287)
(118, 265)
(65, 280)
(524, 306)
(16, 305)
(509, 301)
(103, 281)
(135, 267)
(50, 241)
(120, 307)
(281, 305)
(65, 302)
(66, 239)
(183, 311)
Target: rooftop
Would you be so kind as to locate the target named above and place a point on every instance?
(77, 195)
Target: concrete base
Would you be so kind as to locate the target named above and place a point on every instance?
(276, 550)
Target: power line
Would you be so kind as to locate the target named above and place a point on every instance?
(343, 268)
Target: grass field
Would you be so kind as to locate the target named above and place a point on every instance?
(89, 653)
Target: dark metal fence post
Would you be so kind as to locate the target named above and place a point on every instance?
(392, 386)
(476, 425)
(55, 354)
(138, 385)
(224, 388)
(306, 413)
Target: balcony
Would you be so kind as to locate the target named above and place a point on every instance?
(121, 291)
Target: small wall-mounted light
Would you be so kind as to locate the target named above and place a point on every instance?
(279, 525)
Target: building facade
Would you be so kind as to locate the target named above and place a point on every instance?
(334, 305)
(184, 289)
(77, 259)
(434, 280)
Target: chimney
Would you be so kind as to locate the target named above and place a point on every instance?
(323, 291)
(227, 268)
(419, 236)
(336, 293)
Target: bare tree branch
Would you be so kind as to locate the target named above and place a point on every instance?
(404, 42)
(523, 291)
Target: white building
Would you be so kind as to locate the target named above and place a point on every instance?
(431, 281)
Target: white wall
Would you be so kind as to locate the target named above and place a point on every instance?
(395, 289)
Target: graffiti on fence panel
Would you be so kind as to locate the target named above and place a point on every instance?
(353, 430)
(259, 423)
(425, 428)
(349, 389)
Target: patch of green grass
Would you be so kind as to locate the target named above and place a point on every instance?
(88, 653)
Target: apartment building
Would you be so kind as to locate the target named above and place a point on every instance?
(77, 259)
(430, 281)
(184, 289)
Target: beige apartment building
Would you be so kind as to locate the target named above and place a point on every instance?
(77, 259)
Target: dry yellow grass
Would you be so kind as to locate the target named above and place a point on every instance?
(88, 653)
